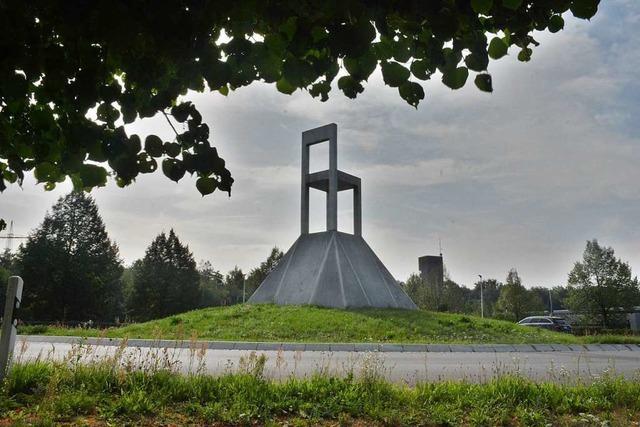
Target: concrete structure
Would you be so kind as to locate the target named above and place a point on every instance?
(330, 268)
(432, 272)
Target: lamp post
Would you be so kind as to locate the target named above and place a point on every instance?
(481, 296)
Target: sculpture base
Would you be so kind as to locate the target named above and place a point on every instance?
(331, 269)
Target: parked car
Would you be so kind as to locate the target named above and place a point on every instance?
(547, 322)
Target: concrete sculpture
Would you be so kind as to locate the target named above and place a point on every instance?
(330, 268)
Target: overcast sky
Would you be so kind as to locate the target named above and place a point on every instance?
(520, 178)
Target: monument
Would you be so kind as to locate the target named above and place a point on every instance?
(330, 268)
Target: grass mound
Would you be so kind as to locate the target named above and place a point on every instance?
(315, 324)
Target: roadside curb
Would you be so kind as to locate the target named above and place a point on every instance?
(333, 347)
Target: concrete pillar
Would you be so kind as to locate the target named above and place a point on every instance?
(310, 137)
(357, 210)
(332, 195)
(304, 207)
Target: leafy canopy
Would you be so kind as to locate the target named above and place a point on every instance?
(72, 74)
(601, 286)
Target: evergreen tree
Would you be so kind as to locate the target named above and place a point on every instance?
(71, 270)
(166, 280)
(601, 286)
(233, 283)
(212, 289)
(258, 274)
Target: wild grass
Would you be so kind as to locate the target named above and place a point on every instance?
(111, 392)
(315, 324)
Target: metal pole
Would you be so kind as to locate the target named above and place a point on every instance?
(550, 303)
(481, 296)
(8, 331)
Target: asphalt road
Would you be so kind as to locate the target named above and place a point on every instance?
(401, 367)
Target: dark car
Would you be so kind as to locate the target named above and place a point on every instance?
(547, 322)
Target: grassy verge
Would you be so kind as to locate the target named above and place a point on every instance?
(41, 393)
(315, 324)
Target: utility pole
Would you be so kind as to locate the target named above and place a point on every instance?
(481, 296)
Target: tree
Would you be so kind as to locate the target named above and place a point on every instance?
(601, 285)
(212, 289)
(166, 280)
(258, 274)
(454, 297)
(515, 301)
(72, 74)
(233, 283)
(417, 289)
(70, 267)
(490, 294)
(558, 295)
(8, 268)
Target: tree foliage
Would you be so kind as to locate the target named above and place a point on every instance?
(602, 285)
(72, 74)
(212, 289)
(166, 280)
(515, 301)
(234, 282)
(258, 274)
(70, 267)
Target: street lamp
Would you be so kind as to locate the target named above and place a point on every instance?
(481, 296)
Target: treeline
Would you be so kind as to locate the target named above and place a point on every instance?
(73, 272)
(600, 291)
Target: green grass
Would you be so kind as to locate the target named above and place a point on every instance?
(39, 393)
(315, 324)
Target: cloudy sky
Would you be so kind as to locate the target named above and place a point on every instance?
(518, 178)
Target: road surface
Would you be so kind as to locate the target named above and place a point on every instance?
(399, 367)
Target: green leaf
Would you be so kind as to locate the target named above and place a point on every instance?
(483, 82)
(455, 78)
(525, 55)
(394, 74)
(511, 4)
(92, 176)
(497, 48)
(224, 90)
(362, 67)
(421, 69)
(206, 185)
(411, 92)
(350, 86)
(173, 169)
(172, 148)
(482, 6)
(153, 145)
(556, 23)
(107, 113)
(46, 172)
(584, 9)
(476, 61)
(285, 87)
(320, 89)
(181, 112)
